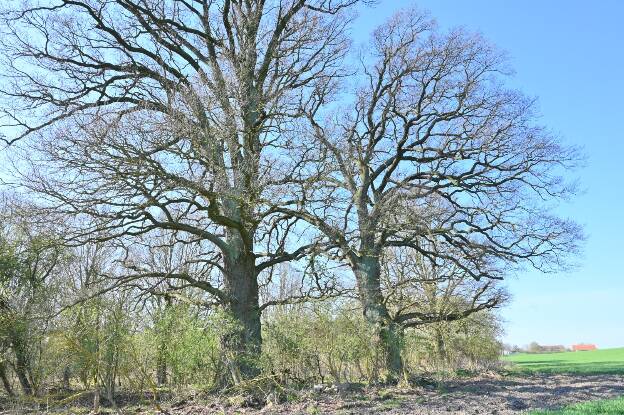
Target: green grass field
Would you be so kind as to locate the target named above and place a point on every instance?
(608, 407)
(607, 361)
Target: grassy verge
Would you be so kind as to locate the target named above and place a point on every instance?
(607, 407)
(607, 361)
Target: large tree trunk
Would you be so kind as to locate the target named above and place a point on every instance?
(5, 380)
(243, 344)
(389, 334)
(96, 399)
(22, 365)
(22, 376)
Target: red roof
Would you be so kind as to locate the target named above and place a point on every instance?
(583, 347)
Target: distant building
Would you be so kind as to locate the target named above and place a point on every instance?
(583, 347)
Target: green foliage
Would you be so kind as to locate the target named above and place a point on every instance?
(29, 264)
(468, 344)
(94, 342)
(189, 344)
(105, 341)
(587, 362)
(181, 344)
(603, 407)
(319, 343)
(323, 343)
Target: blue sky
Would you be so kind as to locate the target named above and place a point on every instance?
(570, 54)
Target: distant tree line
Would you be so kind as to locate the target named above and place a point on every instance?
(535, 347)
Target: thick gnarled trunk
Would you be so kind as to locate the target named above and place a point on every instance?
(22, 375)
(389, 334)
(5, 380)
(242, 344)
(22, 364)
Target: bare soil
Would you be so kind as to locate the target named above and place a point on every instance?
(492, 394)
(484, 395)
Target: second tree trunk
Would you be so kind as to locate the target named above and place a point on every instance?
(389, 334)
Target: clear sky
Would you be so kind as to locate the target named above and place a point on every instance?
(570, 54)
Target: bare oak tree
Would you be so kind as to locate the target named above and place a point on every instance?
(171, 115)
(434, 153)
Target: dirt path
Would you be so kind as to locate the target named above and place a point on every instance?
(488, 395)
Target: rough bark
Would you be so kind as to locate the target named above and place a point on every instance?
(96, 400)
(110, 393)
(5, 380)
(22, 366)
(368, 271)
(23, 379)
(243, 344)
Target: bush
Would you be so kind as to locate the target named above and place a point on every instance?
(188, 345)
(323, 343)
(319, 343)
(468, 344)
